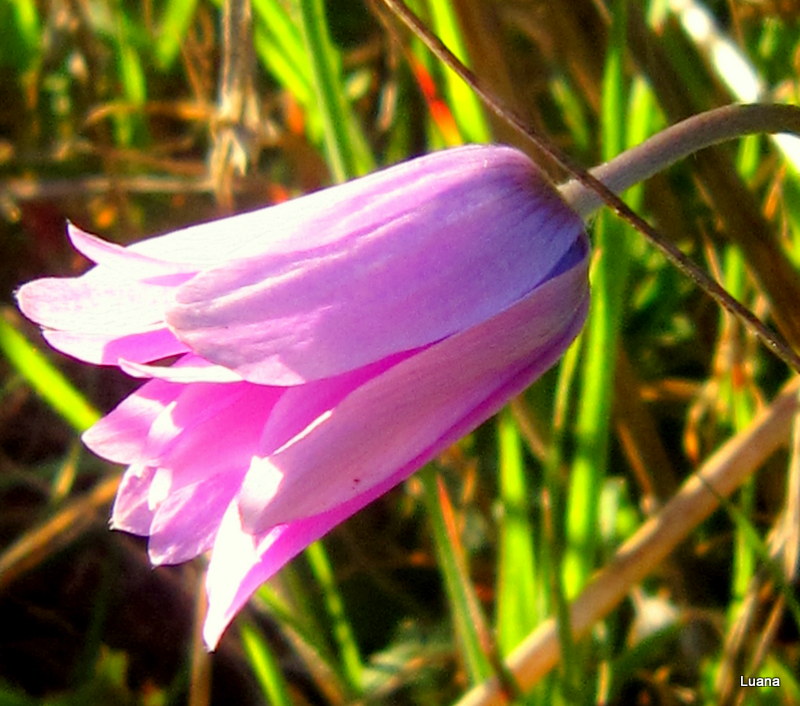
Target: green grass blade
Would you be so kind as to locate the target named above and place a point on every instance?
(279, 44)
(601, 333)
(467, 109)
(345, 146)
(129, 128)
(265, 667)
(334, 604)
(175, 21)
(22, 34)
(516, 583)
(44, 378)
(457, 586)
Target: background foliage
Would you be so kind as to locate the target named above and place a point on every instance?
(132, 117)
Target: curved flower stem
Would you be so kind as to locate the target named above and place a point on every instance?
(788, 120)
(677, 142)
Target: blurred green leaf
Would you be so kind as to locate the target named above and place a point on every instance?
(21, 34)
(265, 666)
(346, 148)
(517, 600)
(44, 378)
(175, 21)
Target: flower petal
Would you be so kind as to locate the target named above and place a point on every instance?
(200, 371)
(388, 272)
(131, 511)
(223, 440)
(121, 435)
(187, 521)
(416, 408)
(241, 561)
(102, 349)
(102, 314)
(125, 260)
(99, 301)
(145, 424)
(292, 226)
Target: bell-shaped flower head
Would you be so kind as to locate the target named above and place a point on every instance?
(326, 348)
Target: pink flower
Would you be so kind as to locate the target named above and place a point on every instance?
(328, 347)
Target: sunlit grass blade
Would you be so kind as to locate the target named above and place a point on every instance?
(732, 65)
(175, 20)
(45, 539)
(517, 600)
(280, 47)
(266, 668)
(742, 410)
(450, 554)
(346, 148)
(129, 128)
(289, 600)
(467, 109)
(762, 552)
(552, 528)
(44, 378)
(22, 34)
(601, 335)
(343, 635)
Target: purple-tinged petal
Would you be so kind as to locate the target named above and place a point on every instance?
(234, 572)
(300, 224)
(200, 371)
(192, 407)
(121, 435)
(241, 562)
(187, 521)
(132, 512)
(223, 443)
(101, 314)
(451, 244)
(143, 426)
(410, 411)
(99, 301)
(121, 259)
(300, 407)
(101, 349)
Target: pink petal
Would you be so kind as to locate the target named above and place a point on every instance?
(389, 274)
(222, 442)
(131, 511)
(121, 435)
(300, 407)
(190, 410)
(293, 226)
(100, 301)
(101, 314)
(129, 262)
(186, 522)
(414, 409)
(241, 562)
(102, 349)
(143, 425)
(200, 371)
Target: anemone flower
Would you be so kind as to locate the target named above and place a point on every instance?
(323, 349)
